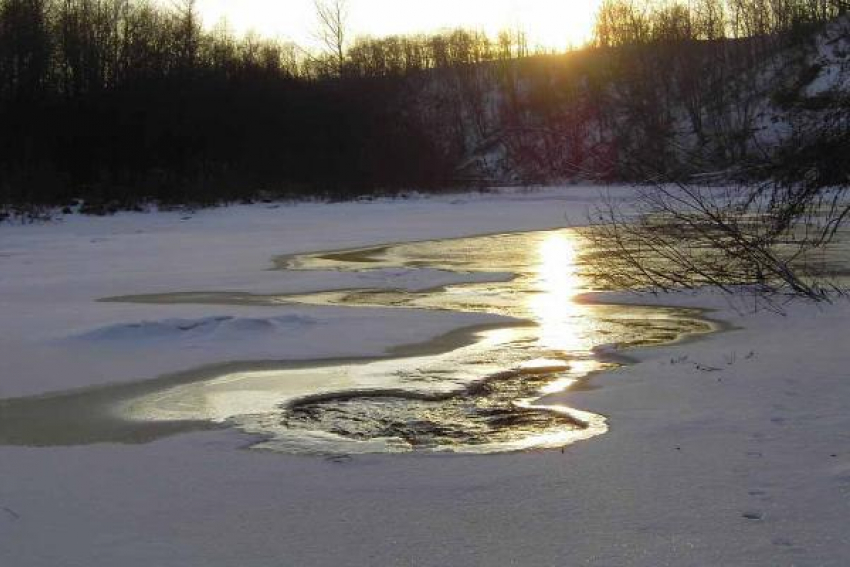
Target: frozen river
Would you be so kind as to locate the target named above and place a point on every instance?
(480, 389)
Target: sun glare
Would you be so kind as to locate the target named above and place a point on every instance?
(561, 319)
(555, 24)
(549, 24)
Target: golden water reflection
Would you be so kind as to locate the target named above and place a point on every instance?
(562, 321)
(523, 362)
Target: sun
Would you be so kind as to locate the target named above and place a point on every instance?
(548, 24)
(551, 24)
(558, 24)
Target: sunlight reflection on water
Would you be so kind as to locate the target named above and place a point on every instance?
(477, 398)
(554, 308)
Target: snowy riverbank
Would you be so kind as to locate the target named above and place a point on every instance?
(734, 450)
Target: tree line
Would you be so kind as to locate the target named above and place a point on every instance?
(123, 100)
(630, 22)
(117, 100)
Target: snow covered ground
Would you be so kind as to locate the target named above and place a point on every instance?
(51, 275)
(734, 450)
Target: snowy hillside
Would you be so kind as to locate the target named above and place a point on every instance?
(688, 108)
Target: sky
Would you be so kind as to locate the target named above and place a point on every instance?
(553, 24)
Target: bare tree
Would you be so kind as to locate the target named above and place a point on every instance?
(333, 29)
(781, 237)
(776, 232)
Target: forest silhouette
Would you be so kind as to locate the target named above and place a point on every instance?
(123, 101)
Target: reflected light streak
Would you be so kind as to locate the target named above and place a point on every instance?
(563, 322)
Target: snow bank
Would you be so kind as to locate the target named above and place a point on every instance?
(215, 328)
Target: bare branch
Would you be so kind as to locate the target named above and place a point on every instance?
(332, 32)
